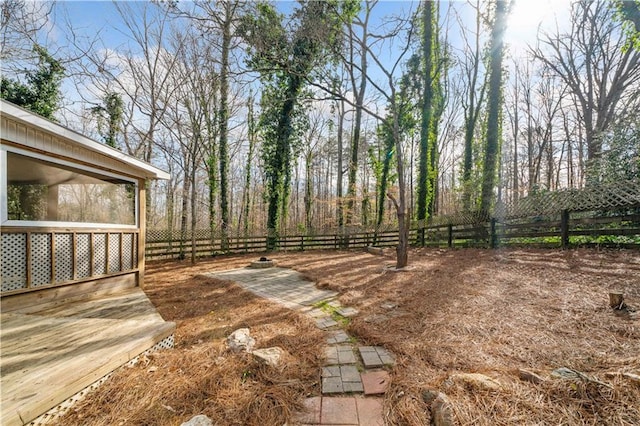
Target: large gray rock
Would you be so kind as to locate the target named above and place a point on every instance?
(271, 356)
(240, 340)
(441, 408)
(199, 420)
(530, 376)
(476, 380)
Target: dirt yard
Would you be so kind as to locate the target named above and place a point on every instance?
(453, 311)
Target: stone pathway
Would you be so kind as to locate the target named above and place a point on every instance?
(351, 373)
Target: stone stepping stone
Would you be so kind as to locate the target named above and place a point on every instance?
(341, 379)
(338, 355)
(325, 323)
(332, 410)
(311, 412)
(375, 382)
(339, 411)
(338, 336)
(347, 312)
(317, 313)
(375, 356)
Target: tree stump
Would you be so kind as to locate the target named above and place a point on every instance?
(616, 300)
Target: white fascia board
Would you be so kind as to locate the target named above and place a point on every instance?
(22, 115)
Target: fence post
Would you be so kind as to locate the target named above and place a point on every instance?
(564, 228)
(450, 239)
(301, 242)
(494, 236)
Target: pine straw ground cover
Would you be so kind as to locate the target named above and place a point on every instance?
(201, 376)
(454, 311)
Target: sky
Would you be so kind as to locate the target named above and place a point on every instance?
(524, 19)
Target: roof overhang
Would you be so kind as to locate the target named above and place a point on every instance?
(26, 128)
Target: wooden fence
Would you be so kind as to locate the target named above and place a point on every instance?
(618, 228)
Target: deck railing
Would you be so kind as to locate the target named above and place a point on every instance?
(33, 257)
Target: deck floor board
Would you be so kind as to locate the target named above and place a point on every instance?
(49, 355)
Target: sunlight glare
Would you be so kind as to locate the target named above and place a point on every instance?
(526, 16)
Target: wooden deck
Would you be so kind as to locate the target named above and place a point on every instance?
(49, 355)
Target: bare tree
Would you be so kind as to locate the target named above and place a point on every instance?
(601, 74)
(397, 28)
(21, 26)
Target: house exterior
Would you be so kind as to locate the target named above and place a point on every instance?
(72, 231)
(72, 210)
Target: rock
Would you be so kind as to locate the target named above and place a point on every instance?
(632, 377)
(270, 356)
(199, 420)
(529, 376)
(429, 395)
(375, 250)
(476, 380)
(575, 375)
(240, 340)
(566, 373)
(442, 411)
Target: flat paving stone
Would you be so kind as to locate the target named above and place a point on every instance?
(331, 371)
(375, 382)
(339, 411)
(347, 312)
(282, 285)
(311, 413)
(338, 336)
(375, 356)
(370, 411)
(350, 373)
(352, 387)
(341, 379)
(332, 385)
(345, 354)
(325, 323)
(316, 313)
(331, 355)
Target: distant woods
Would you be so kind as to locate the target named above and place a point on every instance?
(333, 114)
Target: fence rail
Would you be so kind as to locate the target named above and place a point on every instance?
(564, 229)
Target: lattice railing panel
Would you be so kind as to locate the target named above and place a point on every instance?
(114, 253)
(64, 257)
(127, 249)
(99, 254)
(14, 261)
(40, 259)
(83, 256)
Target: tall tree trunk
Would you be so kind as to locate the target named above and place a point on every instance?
(247, 180)
(359, 91)
(472, 113)
(402, 250)
(223, 117)
(492, 145)
(339, 174)
(184, 213)
(308, 192)
(424, 191)
(194, 217)
(281, 162)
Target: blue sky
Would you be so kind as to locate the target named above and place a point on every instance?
(89, 17)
